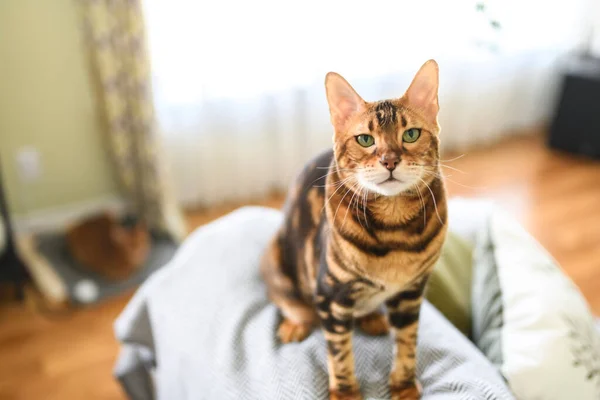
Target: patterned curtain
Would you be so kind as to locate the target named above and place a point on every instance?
(117, 43)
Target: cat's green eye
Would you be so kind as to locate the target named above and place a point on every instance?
(365, 140)
(411, 135)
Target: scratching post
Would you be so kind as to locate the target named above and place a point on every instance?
(12, 269)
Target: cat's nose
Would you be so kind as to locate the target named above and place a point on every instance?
(389, 161)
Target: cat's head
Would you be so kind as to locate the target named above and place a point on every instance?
(389, 146)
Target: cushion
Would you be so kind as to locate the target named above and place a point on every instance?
(529, 318)
(449, 288)
(202, 327)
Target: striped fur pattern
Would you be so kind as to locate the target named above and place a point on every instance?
(363, 227)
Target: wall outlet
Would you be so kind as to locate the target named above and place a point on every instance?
(29, 164)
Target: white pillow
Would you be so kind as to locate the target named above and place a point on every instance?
(530, 319)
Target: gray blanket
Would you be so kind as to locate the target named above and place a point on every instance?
(202, 328)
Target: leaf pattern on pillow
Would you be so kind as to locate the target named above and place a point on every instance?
(585, 348)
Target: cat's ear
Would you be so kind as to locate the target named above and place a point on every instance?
(422, 93)
(343, 100)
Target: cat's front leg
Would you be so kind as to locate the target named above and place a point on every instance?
(337, 323)
(403, 314)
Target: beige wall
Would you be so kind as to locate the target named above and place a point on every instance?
(47, 101)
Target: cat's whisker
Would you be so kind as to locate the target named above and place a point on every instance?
(452, 168)
(434, 201)
(338, 168)
(442, 165)
(333, 194)
(348, 208)
(433, 173)
(447, 177)
(422, 205)
(365, 207)
(321, 177)
(350, 204)
(466, 186)
(454, 159)
(340, 203)
(358, 205)
(342, 200)
(333, 184)
(357, 209)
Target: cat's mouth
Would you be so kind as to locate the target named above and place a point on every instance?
(386, 183)
(390, 179)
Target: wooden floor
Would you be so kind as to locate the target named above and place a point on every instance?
(556, 196)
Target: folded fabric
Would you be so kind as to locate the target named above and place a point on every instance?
(206, 325)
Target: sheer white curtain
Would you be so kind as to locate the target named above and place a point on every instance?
(238, 85)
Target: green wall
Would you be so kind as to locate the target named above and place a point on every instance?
(47, 101)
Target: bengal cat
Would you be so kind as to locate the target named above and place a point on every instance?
(364, 225)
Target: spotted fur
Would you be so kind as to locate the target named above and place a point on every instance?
(343, 251)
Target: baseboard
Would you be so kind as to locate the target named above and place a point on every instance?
(57, 218)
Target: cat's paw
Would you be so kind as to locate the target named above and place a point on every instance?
(345, 395)
(406, 391)
(293, 332)
(375, 324)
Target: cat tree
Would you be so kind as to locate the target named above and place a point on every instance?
(12, 269)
